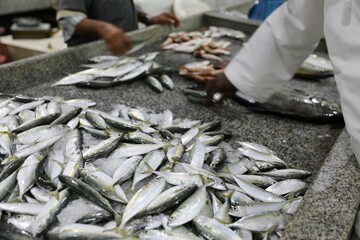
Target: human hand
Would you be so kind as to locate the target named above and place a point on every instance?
(165, 18)
(220, 84)
(116, 39)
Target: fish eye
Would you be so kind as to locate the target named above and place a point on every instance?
(222, 183)
(208, 178)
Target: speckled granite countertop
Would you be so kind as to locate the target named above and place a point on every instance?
(303, 145)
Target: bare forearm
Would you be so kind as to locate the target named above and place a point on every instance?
(116, 39)
(164, 18)
(93, 27)
(144, 18)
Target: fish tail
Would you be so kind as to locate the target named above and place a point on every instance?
(117, 219)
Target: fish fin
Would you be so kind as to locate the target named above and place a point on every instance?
(17, 199)
(122, 232)
(9, 160)
(290, 196)
(229, 195)
(171, 167)
(149, 169)
(117, 218)
(115, 183)
(7, 133)
(132, 189)
(55, 194)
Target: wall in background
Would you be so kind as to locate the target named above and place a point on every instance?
(225, 3)
(17, 6)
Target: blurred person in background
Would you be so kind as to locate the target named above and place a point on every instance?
(84, 21)
(3, 53)
(282, 43)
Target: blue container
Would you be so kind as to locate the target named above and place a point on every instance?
(263, 8)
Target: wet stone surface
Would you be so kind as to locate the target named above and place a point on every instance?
(303, 145)
(327, 211)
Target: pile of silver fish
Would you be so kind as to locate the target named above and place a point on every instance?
(202, 44)
(70, 171)
(107, 71)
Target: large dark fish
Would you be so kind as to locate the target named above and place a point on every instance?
(295, 104)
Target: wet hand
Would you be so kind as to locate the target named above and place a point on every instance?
(219, 89)
(116, 39)
(165, 18)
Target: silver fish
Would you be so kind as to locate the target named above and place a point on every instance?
(22, 208)
(50, 211)
(47, 119)
(22, 222)
(134, 73)
(212, 229)
(82, 76)
(82, 231)
(139, 137)
(87, 192)
(96, 120)
(189, 209)
(166, 81)
(256, 192)
(142, 198)
(31, 149)
(26, 175)
(262, 222)
(40, 133)
(102, 183)
(154, 83)
(189, 137)
(6, 140)
(218, 182)
(26, 115)
(26, 106)
(102, 149)
(150, 162)
(284, 174)
(7, 185)
(260, 156)
(197, 154)
(243, 210)
(170, 198)
(287, 186)
(129, 150)
(166, 235)
(121, 70)
(180, 178)
(126, 170)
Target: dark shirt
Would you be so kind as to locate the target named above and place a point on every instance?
(119, 12)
